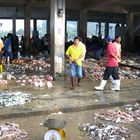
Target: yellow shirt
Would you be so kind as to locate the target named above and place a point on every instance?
(75, 52)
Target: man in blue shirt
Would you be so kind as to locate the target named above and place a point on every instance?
(8, 49)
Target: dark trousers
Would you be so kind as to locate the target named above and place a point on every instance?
(1, 58)
(111, 71)
(84, 73)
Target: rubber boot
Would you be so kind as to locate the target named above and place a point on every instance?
(1, 68)
(112, 80)
(102, 85)
(6, 61)
(83, 72)
(73, 82)
(117, 86)
(10, 61)
(79, 80)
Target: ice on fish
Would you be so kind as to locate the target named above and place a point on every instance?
(100, 131)
(9, 99)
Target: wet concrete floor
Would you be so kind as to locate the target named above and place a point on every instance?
(78, 106)
(37, 132)
(62, 98)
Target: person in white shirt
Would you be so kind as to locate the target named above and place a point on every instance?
(117, 43)
(83, 59)
(84, 48)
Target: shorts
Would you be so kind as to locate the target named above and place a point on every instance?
(76, 70)
(111, 71)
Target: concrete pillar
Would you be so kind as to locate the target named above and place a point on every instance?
(27, 28)
(14, 22)
(35, 24)
(130, 30)
(48, 26)
(106, 28)
(136, 26)
(14, 25)
(99, 29)
(57, 31)
(35, 32)
(83, 24)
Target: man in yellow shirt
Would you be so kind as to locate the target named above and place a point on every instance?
(75, 55)
(1, 54)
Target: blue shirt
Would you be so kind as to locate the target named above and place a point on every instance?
(7, 45)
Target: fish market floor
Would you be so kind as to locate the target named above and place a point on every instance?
(36, 132)
(61, 98)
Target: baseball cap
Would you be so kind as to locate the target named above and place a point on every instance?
(108, 38)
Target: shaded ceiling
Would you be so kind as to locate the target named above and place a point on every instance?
(116, 6)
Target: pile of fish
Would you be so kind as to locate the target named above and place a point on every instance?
(28, 67)
(116, 116)
(131, 113)
(36, 81)
(128, 73)
(94, 69)
(3, 82)
(100, 131)
(109, 125)
(132, 107)
(135, 114)
(137, 125)
(11, 132)
(25, 80)
(27, 71)
(7, 76)
(133, 59)
(133, 110)
(9, 98)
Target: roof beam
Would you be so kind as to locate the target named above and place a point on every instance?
(132, 2)
(37, 3)
(14, 2)
(135, 10)
(95, 4)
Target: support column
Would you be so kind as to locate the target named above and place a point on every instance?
(130, 30)
(48, 26)
(57, 30)
(136, 26)
(99, 29)
(106, 28)
(14, 22)
(35, 32)
(27, 28)
(14, 26)
(35, 24)
(83, 24)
